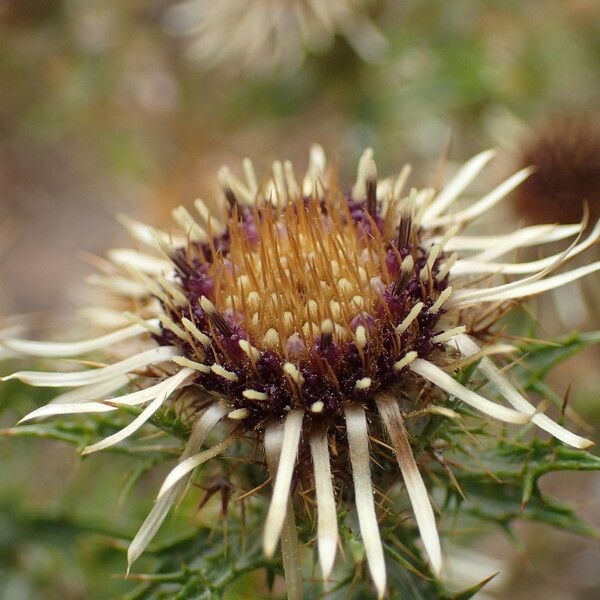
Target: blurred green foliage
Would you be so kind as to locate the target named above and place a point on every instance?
(109, 73)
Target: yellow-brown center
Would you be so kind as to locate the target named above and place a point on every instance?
(308, 267)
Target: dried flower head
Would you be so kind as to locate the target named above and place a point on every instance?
(263, 36)
(566, 154)
(299, 314)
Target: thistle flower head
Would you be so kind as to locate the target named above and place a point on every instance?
(263, 36)
(566, 155)
(300, 313)
(308, 300)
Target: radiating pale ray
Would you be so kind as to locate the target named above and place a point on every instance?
(213, 224)
(290, 548)
(105, 318)
(483, 205)
(171, 384)
(127, 257)
(358, 443)
(528, 289)
(466, 294)
(94, 391)
(119, 285)
(326, 510)
(466, 346)
(492, 349)
(243, 193)
(150, 236)
(68, 349)
(183, 468)
(477, 266)
(417, 492)
(6, 354)
(65, 408)
(90, 376)
(452, 190)
(497, 245)
(441, 379)
(209, 418)
(523, 238)
(281, 490)
(189, 226)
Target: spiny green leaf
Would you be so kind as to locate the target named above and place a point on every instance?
(469, 593)
(542, 357)
(83, 433)
(501, 485)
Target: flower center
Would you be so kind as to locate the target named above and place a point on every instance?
(308, 305)
(287, 276)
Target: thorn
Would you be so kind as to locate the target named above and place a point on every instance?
(565, 401)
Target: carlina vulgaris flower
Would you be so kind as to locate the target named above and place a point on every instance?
(299, 315)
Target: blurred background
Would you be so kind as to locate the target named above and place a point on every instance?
(130, 106)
